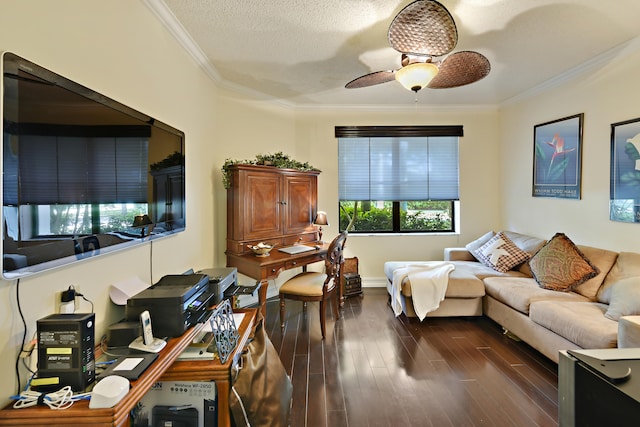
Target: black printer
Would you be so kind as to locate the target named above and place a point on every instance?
(176, 302)
(221, 280)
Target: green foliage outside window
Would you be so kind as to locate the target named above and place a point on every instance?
(78, 220)
(412, 216)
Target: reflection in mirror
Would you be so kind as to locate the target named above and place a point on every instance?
(77, 168)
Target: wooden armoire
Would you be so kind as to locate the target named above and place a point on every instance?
(272, 205)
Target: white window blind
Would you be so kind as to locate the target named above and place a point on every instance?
(398, 168)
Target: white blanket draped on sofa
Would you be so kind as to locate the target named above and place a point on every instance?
(429, 282)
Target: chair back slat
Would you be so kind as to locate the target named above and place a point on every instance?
(334, 261)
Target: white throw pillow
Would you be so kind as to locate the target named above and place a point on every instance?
(500, 253)
(475, 245)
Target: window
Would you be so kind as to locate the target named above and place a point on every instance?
(74, 185)
(398, 179)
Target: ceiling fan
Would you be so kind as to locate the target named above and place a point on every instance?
(424, 32)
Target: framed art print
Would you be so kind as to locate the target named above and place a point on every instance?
(624, 202)
(557, 158)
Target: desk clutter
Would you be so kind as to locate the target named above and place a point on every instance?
(68, 367)
(219, 336)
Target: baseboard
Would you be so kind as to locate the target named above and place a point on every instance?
(374, 282)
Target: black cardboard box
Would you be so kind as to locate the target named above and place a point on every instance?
(352, 284)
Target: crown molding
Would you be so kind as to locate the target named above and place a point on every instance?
(597, 62)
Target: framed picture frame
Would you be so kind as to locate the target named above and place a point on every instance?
(624, 202)
(557, 158)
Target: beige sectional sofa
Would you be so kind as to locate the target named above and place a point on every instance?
(600, 311)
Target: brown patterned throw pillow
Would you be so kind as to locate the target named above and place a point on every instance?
(500, 253)
(560, 266)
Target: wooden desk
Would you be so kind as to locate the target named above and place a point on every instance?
(164, 368)
(264, 269)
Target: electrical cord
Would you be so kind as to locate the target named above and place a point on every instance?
(61, 399)
(24, 333)
(71, 293)
(151, 261)
(87, 300)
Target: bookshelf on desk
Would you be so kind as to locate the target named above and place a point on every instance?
(165, 368)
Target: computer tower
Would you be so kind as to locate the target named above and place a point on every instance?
(66, 350)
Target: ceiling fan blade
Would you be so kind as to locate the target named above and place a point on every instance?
(459, 69)
(424, 27)
(371, 79)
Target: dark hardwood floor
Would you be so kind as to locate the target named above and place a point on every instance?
(377, 370)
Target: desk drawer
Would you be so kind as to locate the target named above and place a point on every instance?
(304, 261)
(271, 271)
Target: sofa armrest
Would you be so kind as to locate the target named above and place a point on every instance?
(458, 254)
(629, 332)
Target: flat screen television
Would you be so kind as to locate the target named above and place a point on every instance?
(82, 174)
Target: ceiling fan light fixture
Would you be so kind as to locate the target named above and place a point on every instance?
(417, 75)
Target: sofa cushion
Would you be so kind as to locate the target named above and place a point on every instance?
(559, 265)
(520, 292)
(582, 323)
(625, 298)
(463, 282)
(629, 332)
(501, 253)
(529, 244)
(627, 265)
(475, 245)
(603, 259)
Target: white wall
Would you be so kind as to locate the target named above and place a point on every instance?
(120, 49)
(606, 94)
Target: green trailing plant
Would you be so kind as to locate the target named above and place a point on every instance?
(278, 160)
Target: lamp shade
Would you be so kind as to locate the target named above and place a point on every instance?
(141, 220)
(321, 218)
(417, 75)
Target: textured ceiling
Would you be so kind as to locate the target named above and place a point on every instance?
(302, 52)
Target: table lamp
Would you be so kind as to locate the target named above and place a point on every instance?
(320, 220)
(142, 222)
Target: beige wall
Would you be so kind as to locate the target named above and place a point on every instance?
(606, 94)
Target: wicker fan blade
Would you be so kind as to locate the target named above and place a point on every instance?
(459, 69)
(371, 79)
(424, 27)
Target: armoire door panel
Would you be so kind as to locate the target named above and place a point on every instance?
(300, 204)
(263, 206)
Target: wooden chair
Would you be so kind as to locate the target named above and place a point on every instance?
(314, 286)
